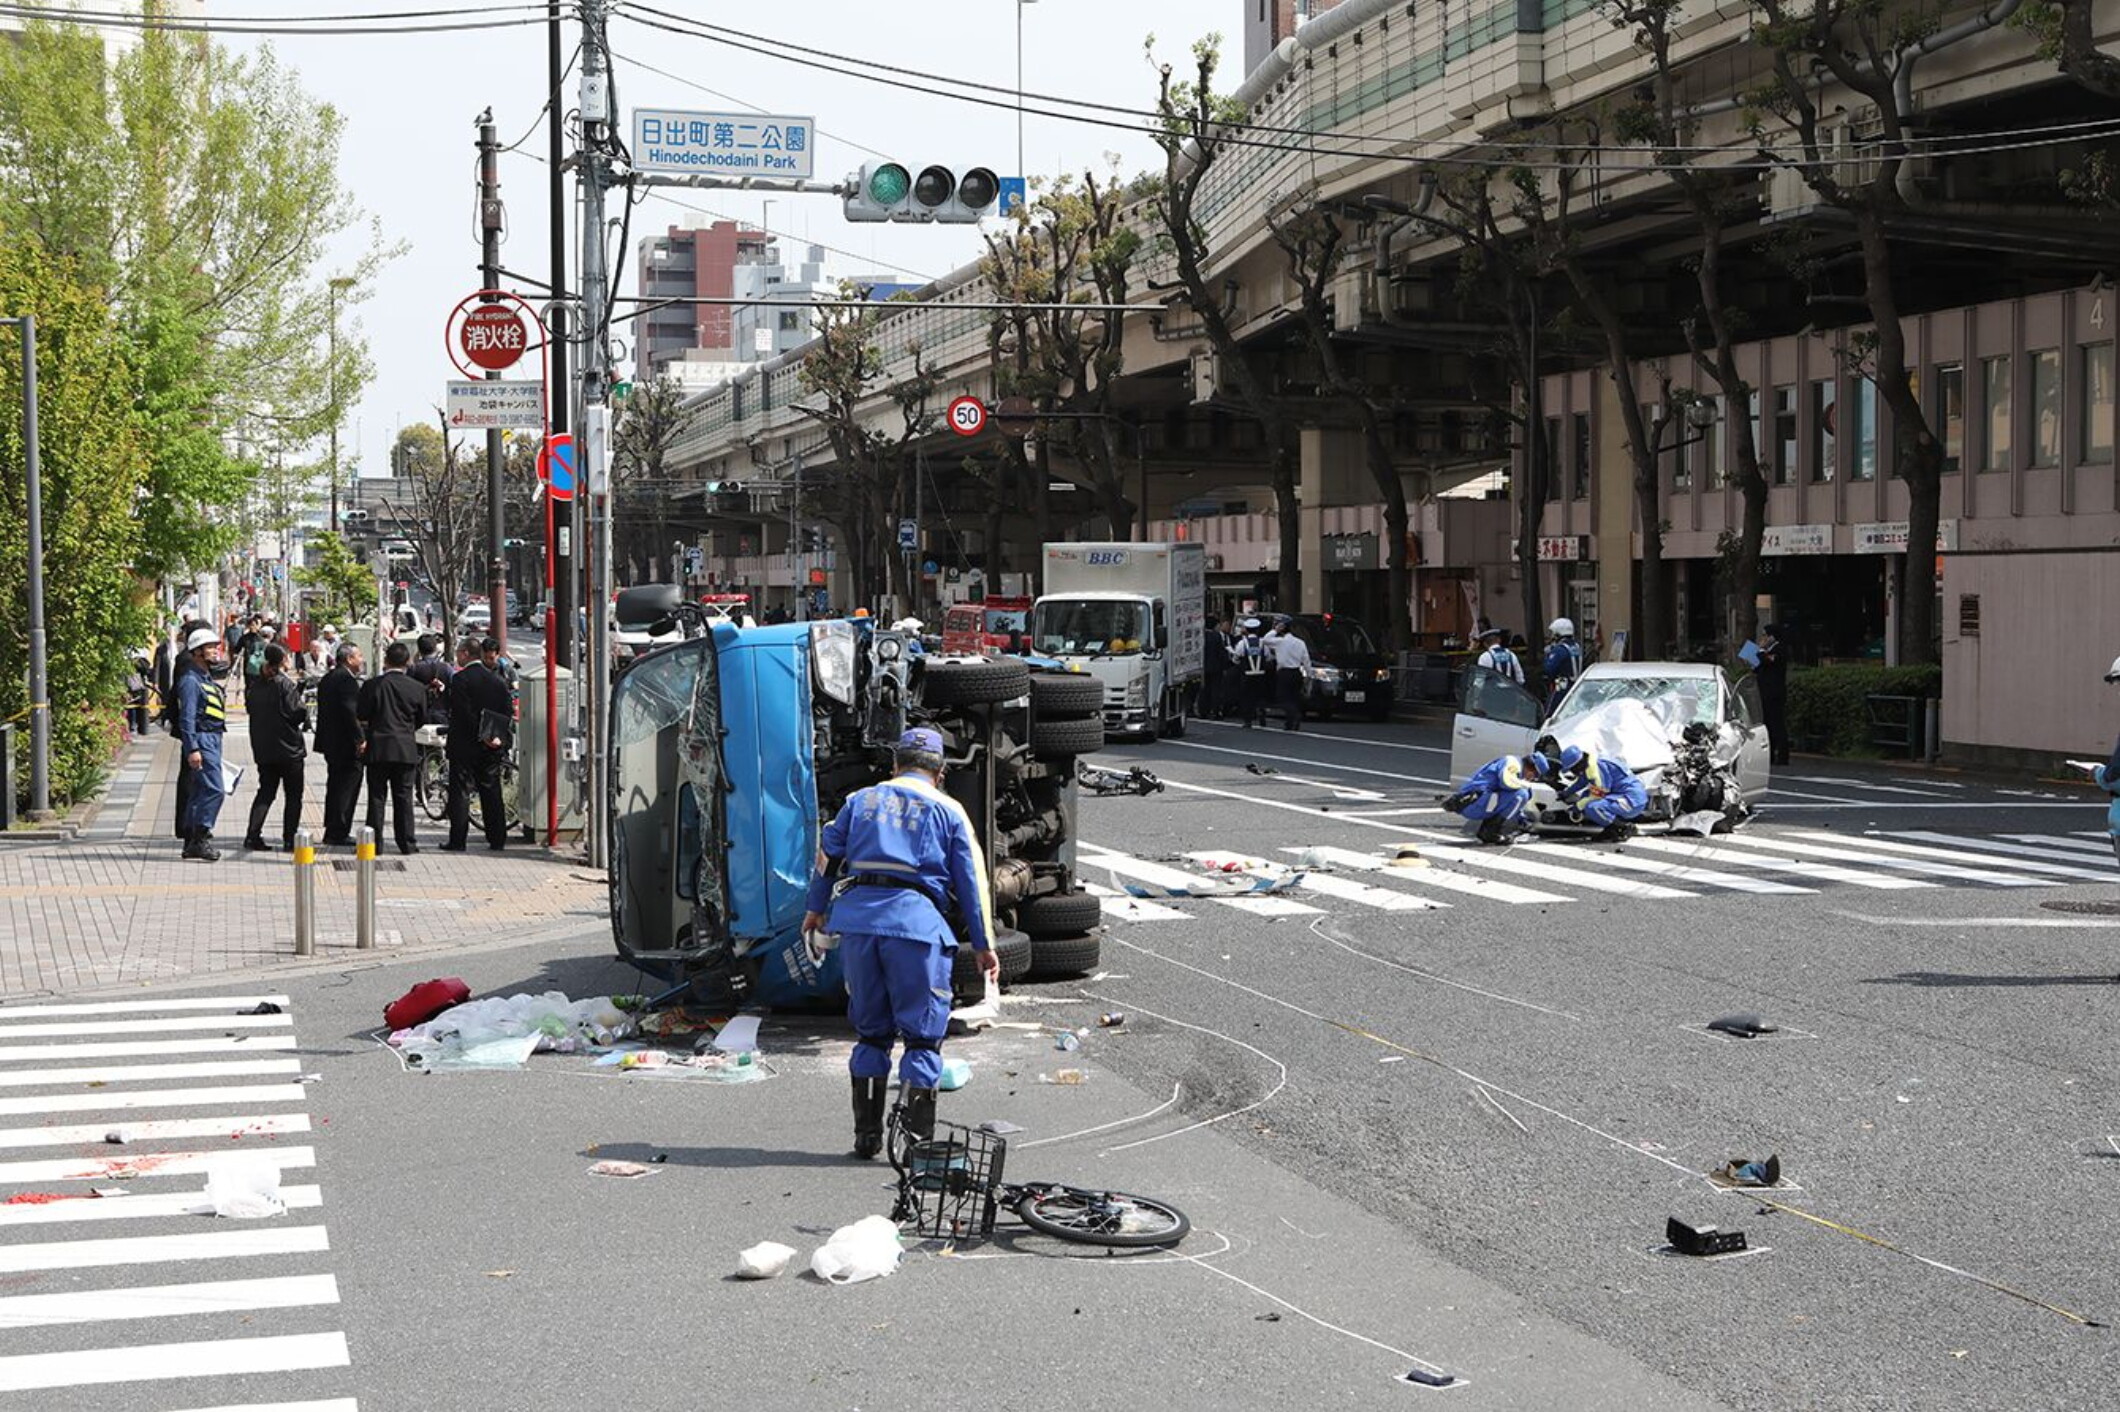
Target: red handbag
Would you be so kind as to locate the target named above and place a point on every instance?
(424, 1001)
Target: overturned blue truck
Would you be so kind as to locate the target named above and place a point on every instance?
(730, 747)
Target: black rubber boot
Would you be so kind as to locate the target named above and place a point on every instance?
(869, 1096)
(919, 1117)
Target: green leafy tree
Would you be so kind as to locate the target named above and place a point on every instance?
(92, 445)
(344, 586)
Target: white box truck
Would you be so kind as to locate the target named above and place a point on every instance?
(1134, 616)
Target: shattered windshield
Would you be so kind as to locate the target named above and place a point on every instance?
(1677, 700)
(1080, 627)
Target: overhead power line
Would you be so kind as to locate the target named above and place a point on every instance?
(373, 22)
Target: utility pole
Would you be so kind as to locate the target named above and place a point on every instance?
(597, 120)
(331, 374)
(561, 549)
(489, 273)
(40, 706)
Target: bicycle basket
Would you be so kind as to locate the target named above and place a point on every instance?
(946, 1183)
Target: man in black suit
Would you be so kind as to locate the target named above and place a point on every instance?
(392, 707)
(481, 719)
(338, 740)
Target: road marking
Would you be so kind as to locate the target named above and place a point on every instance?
(1860, 784)
(1882, 860)
(137, 1073)
(2066, 857)
(153, 1098)
(1982, 922)
(1156, 874)
(238, 1244)
(1677, 872)
(1326, 885)
(1444, 878)
(174, 1022)
(2088, 850)
(329, 1404)
(145, 1164)
(1268, 906)
(29, 1311)
(137, 1007)
(1312, 765)
(1133, 909)
(1316, 734)
(1506, 860)
(1825, 872)
(2014, 806)
(153, 1362)
(1956, 855)
(127, 1048)
(155, 1130)
(137, 1207)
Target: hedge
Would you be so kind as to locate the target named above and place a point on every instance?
(1827, 710)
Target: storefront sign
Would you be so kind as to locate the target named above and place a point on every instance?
(1562, 548)
(1797, 539)
(1351, 551)
(1890, 537)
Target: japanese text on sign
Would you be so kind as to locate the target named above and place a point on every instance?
(1560, 548)
(495, 406)
(741, 143)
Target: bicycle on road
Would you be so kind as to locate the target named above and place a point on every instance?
(950, 1187)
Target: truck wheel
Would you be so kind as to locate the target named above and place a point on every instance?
(1058, 696)
(1014, 949)
(973, 683)
(1058, 914)
(1063, 740)
(1065, 955)
(1174, 724)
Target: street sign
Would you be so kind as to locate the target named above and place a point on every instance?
(1016, 416)
(1015, 194)
(694, 560)
(967, 416)
(733, 144)
(820, 599)
(909, 535)
(493, 336)
(495, 406)
(556, 466)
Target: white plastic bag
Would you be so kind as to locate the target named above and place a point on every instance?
(866, 1250)
(764, 1260)
(245, 1189)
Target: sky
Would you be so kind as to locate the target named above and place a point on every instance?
(410, 105)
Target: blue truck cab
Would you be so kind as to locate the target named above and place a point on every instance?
(731, 747)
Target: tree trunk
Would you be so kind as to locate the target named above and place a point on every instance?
(1005, 481)
(1915, 450)
(1041, 510)
(1288, 517)
(1652, 634)
(1398, 523)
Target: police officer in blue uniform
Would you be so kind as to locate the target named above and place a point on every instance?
(1604, 792)
(202, 723)
(903, 859)
(1563, 661)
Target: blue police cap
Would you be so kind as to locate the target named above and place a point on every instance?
(920, 740)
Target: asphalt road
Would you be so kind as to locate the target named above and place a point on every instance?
(1431, 1117)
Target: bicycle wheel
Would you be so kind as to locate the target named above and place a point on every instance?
(433, 785)
(1102, 1217)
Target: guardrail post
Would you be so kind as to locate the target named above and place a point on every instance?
(364, 889)
(305, 895)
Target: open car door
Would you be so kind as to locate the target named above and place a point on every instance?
(1754, 754)
(668, 906)
(1496, 717)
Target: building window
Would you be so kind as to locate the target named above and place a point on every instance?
(2097, 402)
(1948, 413)
(1555, 470)
(790, 322)
(2046, 407)
(1784, 433)
(1969, 615)
(1862, 430)
(1581, 466)
(1759, 432)
(1709, 448)
(1995, 413)
(1825, 451)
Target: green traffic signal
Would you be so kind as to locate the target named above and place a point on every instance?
(889, 183)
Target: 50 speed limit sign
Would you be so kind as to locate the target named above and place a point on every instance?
(967, 416)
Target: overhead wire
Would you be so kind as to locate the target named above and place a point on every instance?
(355, 23)
(840, 138)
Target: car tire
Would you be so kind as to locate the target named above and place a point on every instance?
(1059, 956)
(1060, 914)
(1014, 949)
(973, 683)
(1065, 696)
(1063, 740)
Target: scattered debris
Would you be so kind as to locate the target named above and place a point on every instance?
(764, 1260)
(867, 1250)
(1063, 1077)
(1252, 767)
(263, 1007)
(956, 1073)
(1111, 1021)
(502, 1032)
(1426, 1377)
(500, 1274)
(739, 1036)
(1742, 1171)
(984, 1015)
(1744, 1025)
(1406, 855)
(119, 1136)
(1702, 1240)
(43, 1198)
(1102, 781)
(244, 1190)
(677, 1021)
(1067, 1041)
(424, 1001)
(1271, 1316)
(1000, 1127)
(609, 1168)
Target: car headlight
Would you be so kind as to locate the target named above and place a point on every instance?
(1383, 674)
(1137, 692)
(1331, 674)
(832, 659)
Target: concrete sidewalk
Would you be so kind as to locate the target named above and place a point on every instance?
(118, 904)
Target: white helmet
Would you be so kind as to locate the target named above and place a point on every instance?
(1561, 627)
(201, 637)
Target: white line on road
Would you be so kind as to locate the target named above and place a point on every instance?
(2071, 842)
(140, 1073)
(147, 1250)
(1799, 867)
(1316, 734)
(145, 1164)
(135, 1207)
(1880, 859)
(1956, 855)
(329, 1404)
(242, 1124)
(1120, 907)
(1677, 872)
(153, 1098)
(174, 1022)
(1858, 784)
(144, 1007)
(28, 1311)
(1156, 874)
(1326, 885)
(1508, 860)
(153, 1362)
(1393, 775)
(1980, 922)
(129, 1048)
(1444, 878)
(2020, 849)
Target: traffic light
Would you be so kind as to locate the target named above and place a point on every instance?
(887, 191)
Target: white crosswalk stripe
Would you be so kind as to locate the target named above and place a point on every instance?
(1119, 907)
(1797, 867)
(1506, 860)
(1676, 872)
(1164, 876)
(1326, 885)
(2022, 865)
(2072, 843)
(1870, 855)
(2067, 857)
(1442, 878)
(133, 1217)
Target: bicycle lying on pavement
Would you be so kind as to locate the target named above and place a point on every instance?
(950, 1187)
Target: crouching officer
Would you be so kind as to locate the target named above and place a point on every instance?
(1605, 792)
(905, 857)
(1497, 793)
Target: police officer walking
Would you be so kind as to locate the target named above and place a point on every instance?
(202, 722)
(905, 858)
(1563, 662)
(1498, 658)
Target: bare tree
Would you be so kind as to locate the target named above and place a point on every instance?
(647, 426)
(446, 493)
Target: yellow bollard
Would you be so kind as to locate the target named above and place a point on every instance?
(305, 895)
(364, 890)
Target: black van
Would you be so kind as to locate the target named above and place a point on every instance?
(1348, 672)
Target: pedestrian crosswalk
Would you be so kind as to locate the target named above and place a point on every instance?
(115, 1271)
(1452, 872)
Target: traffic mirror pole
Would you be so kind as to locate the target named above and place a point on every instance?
(489, 275)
